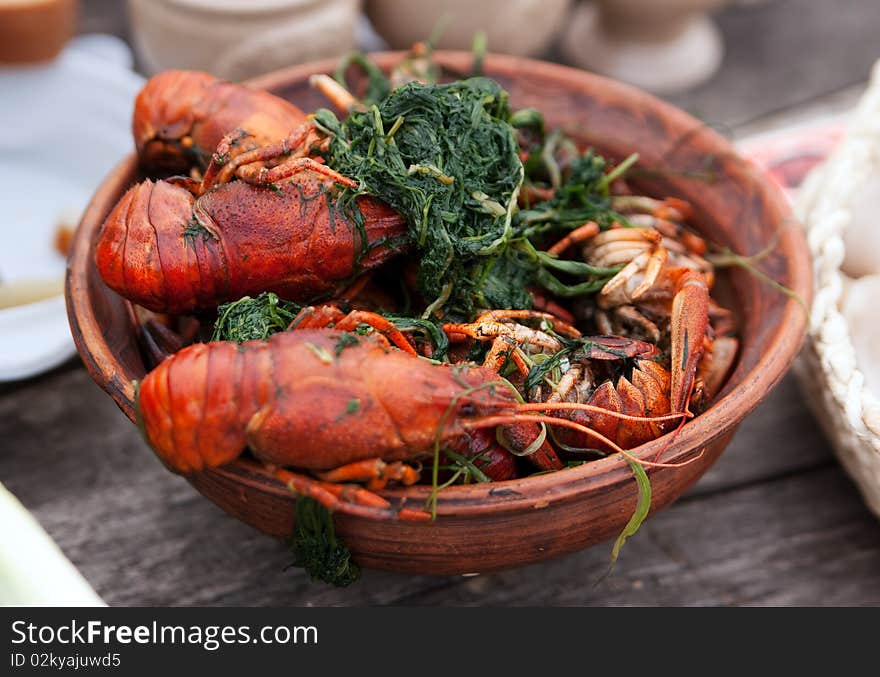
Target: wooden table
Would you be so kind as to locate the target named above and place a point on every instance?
(774, 522)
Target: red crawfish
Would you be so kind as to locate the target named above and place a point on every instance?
(319, 410)
(178, 246)
(181, 116)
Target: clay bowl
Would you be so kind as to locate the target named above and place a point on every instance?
(507, 524)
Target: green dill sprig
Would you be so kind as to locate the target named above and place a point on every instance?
(581, 192)
(452, 169)
(640, 513)
(428, 328)
(316, 547)
(195, 229)
(378, 85)
(573, 350)
(253, 318)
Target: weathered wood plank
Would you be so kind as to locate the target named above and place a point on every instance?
(779, 438)
(805, 540)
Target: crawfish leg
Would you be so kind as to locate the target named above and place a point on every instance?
(650, 261)
(222, 168)
(579, 234)
(566, 383)
(504, 348)
(690, 317)
(558, 325)
(327, 315)
(336, 93)
(376, 472)
(159, 340)
(347, 499)
(264, 175)
(381, 324)
(490, 330)
(715, 364)
(312, 317)
(674, 209)
(354, 290)
(220, 159)
(542, 303)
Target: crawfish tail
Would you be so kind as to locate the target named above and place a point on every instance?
(194, 407)
(152, 252)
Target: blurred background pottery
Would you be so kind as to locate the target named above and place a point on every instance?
(659, 45)
(34, 30)
(236, 39)
(520, 27)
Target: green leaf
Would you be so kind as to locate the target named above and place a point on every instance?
(431, 330)
(317, 548)
(253, 318)
(451, 168)
(639, 514)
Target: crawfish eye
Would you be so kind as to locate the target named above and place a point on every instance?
(467, 409)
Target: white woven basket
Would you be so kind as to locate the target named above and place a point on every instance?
(835, 388)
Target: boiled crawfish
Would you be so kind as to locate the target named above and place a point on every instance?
(176, 247)
(296, 401)
(660, 294)
(337, 405)
(262, 217)
(180, 117)
(592, 372)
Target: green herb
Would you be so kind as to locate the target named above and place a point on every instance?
(320, 352)
(351, 407)
(572, 350)
(452, 169)
(726, 257)
(253, 318)
(429, 329)
(346, 339)
(448, 158)
(479, 46)
(378, 86)
(316, 547)
(194, 229)
(643, 506)
(582, 196)
(465, 468)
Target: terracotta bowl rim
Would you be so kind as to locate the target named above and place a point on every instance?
(725, 413)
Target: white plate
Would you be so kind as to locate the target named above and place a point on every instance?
(65, 125)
